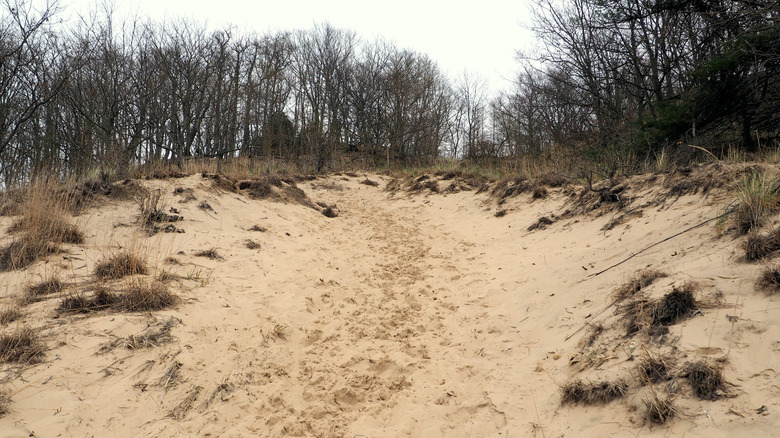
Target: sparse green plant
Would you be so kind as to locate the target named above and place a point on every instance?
(758, 197)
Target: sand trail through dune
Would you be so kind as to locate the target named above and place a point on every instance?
(417, 314)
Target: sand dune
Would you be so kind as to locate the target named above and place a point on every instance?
(408, 314)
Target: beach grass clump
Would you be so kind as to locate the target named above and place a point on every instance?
(21, 346)
(578, 392)
(121, 265)
(758, 198)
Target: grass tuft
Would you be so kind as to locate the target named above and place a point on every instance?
(146, 296)
(770, 279)
(757, 246)
(639, 281)
(9, 315)
(39, 291)
(758, 198)
(210, 253)
(577, 392)
(654, 369)
(659, 410)
(5, 402)
(706, 380)
(22, 346)
(120, 265)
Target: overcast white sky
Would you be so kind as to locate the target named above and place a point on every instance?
(478, 36)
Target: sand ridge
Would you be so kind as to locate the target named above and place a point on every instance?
(406, 315)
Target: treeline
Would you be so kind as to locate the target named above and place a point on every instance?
(108, 94)
(626, 79)
(614, 81)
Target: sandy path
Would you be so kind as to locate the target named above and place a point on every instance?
(406, 315)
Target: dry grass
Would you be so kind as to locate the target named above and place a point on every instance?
(758, 198)
(120, 265)
(329, 212)
(9, 315)
(147, 296)
(650, 316)
(152, 336)
(706, 380)
(44, 210)
(39, 291)
(258, 228)
(639, 281)
(769, 279)
(80, 302)
(758, 246)
(653, 369)
(659, 410)
(138, 296)
(179, 412)
(251, 244)
(210, 253)
(22, 346)
(577, 392)
(42, 228)
(5, 402)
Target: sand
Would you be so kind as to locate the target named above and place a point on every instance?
(409, 314)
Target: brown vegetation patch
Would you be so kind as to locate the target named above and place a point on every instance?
(423, 183)
(577, 392)
(758, 246)
(153, 336)
(187, 194)
(39, 291)
(659, 410)
(639, 281)
(769, 279)
(146, 296)
(120, 265)
(221, 182)
(9, 315)
(23, 251)
(539, 192)
(368, 182)
(210, 253)
(511, 186)
(5, 402)
(500, 213)
(651, 316)
(251, 244)
(179, 412)
(653, 369)
(706, 380)
(21, 346)
(79, 302)
(329, 212)
(696, 178)
(87, 193)
(258, 228)
(540, 224)
(552, 180)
